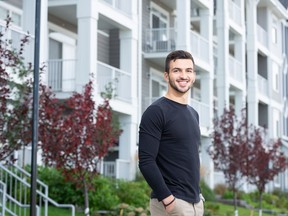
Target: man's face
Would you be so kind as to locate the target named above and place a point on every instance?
(181, 75)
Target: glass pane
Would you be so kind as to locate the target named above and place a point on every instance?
(16, 19)
(3, 13)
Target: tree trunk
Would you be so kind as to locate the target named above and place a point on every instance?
(235, 204)
(86, 199)
(260, 204)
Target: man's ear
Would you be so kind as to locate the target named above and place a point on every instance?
(166, 76)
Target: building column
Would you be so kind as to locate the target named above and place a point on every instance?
(86, 65)
(252, 60)
(128, 63)
(222, 82)
(29, 8)
(183, 25)
(207, 165)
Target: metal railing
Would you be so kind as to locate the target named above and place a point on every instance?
(160, 40)
(235, 12)
(62, 76)
(121, 5)
(200, 46)
(262, 36)
(16, 190)
(235, 69)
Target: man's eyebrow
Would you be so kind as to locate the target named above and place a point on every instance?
(189, 68)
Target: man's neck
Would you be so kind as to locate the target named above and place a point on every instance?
(179, 98)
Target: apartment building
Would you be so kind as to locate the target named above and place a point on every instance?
(239, 46)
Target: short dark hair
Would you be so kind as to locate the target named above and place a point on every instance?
(177, 54)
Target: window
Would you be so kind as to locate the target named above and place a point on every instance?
(14, 13)
(274, 31)
(276, 123)
(276, 74)
(159, 19)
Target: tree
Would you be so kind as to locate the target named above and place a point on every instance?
(265, 160)
(228, 148)
(15, 95)
(76, 142)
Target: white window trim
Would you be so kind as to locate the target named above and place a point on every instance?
(161, 10)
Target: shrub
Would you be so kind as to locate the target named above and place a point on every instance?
(60, 190)
(206, 191)
(104, 196)
(220, 189)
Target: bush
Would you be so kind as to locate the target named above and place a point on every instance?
(104, 196)
(60, 190)
(220, 189)
(135, 193)
(206, 191)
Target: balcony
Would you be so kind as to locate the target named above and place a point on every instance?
(262, 85)
(115, 169)
(62, 76)
(15, 35)
(200, 46)
(160, 40)
(235, 69)
(262, 36)
(123, 6)
(235, 13)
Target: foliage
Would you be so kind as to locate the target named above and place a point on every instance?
(206, 191)
(104, 197)
(15, 94)
(75, 135)
(228, 148)
(60, 190)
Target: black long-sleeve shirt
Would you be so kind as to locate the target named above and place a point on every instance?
(169, 138)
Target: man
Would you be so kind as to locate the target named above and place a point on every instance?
(169, 138)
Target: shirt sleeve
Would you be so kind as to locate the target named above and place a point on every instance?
(150, 131)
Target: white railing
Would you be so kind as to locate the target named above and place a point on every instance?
(160, 40)
(122, 169)
(262, 85)
(109, 169)
(15, 35)
(235, 69)
(121, 5)
(119, 79)
(62, 75)
(235, 12)
(200, 46)
(203, 111)
(262, 36)
(17, 192)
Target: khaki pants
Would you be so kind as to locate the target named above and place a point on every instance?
(181, 208)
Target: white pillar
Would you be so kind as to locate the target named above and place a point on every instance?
(222, 81)
(252, 67)
(86, 65)
(207, 165)
(128, 63)
(183, 25)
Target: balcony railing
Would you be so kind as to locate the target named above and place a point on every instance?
(235, 69)
(203, 111)
(121, 5)
(15, 35)
(116, 169)
(262, 85)
(200, 46)
(119, 80)
(262, 36)
(62, 75)
(235, 12)
(160, 40)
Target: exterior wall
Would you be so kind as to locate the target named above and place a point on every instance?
(101, 32)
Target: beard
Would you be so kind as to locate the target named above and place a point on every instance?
(177, 89)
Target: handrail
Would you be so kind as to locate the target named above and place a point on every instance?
(43, 195)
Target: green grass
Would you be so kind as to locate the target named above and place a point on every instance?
(218, 209)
